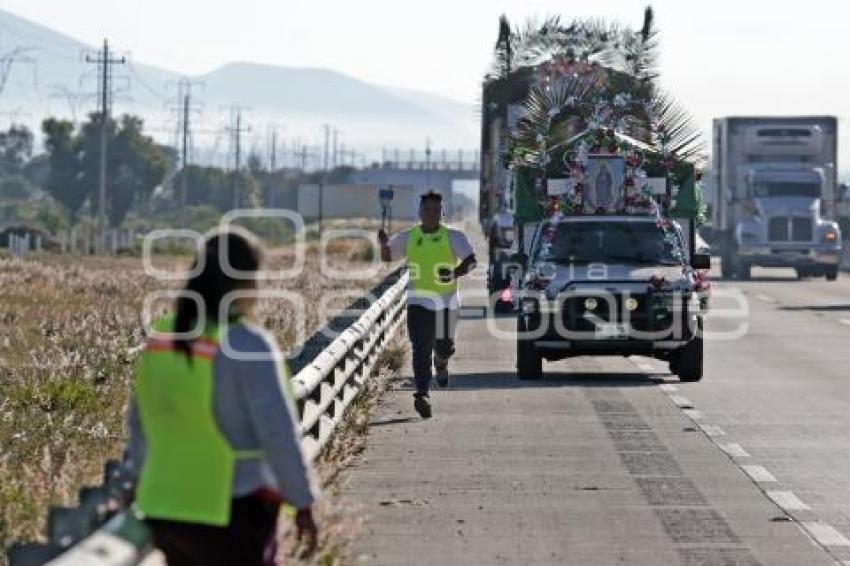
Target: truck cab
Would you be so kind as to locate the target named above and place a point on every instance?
(777, 195)
(610, 285)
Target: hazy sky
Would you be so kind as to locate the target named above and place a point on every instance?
(719, 57)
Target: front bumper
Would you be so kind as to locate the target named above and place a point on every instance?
(570, 348)
(650, 329)
(791, 256)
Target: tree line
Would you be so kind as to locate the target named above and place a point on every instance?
(143, 181)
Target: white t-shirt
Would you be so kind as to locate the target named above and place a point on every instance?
(461, 248)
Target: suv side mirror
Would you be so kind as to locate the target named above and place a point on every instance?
(701, 261)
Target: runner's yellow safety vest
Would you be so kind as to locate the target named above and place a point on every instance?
(187, 474)
(426, 255)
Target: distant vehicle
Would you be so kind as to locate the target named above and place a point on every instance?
(501, 108)
(776, 195)
(606, 285)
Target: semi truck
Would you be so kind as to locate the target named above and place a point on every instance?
(776, 195)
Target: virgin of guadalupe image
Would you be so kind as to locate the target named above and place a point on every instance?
(603, 187)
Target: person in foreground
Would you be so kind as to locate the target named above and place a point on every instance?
(214, 445)
(437, 255)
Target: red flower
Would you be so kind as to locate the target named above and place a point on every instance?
(657, 281)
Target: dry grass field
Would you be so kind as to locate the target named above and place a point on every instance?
(69, 329)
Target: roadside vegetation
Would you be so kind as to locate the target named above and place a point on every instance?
(70, 329)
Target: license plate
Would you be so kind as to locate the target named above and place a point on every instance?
(611, 330)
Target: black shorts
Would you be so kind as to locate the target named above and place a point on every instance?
(250, 539)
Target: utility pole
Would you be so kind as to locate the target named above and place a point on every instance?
(105, 63)
(237, 132)
(237, 188)
(184, 178)
(321, 211)
(272, 139)
(273, 154)
(335, 160)
(327, 142)
(428, 162)
(183, 110)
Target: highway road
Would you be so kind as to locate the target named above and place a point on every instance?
(613, 461)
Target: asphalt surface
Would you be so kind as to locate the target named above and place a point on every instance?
(613, 461)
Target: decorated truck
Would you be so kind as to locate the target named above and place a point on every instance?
(609, 267)
(599, 171)
(776, 194)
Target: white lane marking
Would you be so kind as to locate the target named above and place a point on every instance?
(735, 450)
(758, 473)
(668, 388)
(765, 298)
(845, 321)
(694, 414)
(788, 501)
(712, 430)
(826, 534)
(681, 402)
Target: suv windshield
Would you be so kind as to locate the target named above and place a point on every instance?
(604, 242)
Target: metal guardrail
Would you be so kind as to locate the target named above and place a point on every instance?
(103, 531)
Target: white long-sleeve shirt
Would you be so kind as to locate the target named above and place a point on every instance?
(253, 412)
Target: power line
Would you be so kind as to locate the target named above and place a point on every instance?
(75, 99)
(156, 93)
(7, 61)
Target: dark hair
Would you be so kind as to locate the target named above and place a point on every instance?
(212, 283)
(431, 195)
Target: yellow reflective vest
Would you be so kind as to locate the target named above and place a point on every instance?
(427, 254)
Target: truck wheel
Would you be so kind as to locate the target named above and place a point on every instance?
(529, 362)
(689, 364)
(832, 273)
(727, 253)
(674, 364)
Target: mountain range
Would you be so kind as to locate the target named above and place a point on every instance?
(52, 77)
